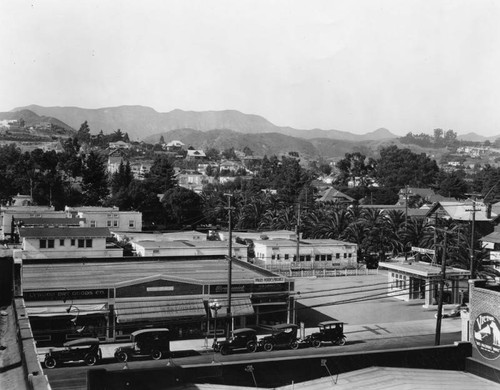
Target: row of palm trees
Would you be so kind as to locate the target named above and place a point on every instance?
(375, 231)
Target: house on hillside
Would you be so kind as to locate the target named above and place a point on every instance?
(115, 158)
(174, 146)
(195, 155)
(411, 193)
(119, 145)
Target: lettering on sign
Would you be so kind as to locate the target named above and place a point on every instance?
(275, 279)
(160, 288)
(423, 250)
(494, 255)
(487, 336)
(61, 295)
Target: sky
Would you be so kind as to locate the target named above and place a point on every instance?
(350, 65)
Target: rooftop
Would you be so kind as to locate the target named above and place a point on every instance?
(423, 269)
(79, 275)
(66, 232)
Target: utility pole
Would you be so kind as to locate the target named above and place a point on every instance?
(473, 239)
(297, 232)
(229, 269)
(406, 218)
(441, 291)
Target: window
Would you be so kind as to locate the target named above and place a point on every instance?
(278, 256)
(81, 243)
(308, 258)
(316, 257)
(286, 257)
(329, 257)
(61, 242)
(109, 223)
(88, 243)
(323, 257)
(345, 255)
(50, 243)
(72, 242)
(115, 223)
(301, 258)
(273, 257)
(337, 255)
(131, 224)
(93, 224)
(43, 244)
(349, 255)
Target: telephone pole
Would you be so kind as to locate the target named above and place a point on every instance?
(229, 268)
(437, 340)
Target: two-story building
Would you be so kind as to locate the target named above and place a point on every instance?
(110, 217)
(10, 214)
(65, 242)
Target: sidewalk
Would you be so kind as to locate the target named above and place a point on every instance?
(352, 332)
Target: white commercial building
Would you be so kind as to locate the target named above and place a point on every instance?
(110, 217)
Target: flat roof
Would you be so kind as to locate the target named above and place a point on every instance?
(303, 243)
(62, 232)
(51, 221)
(423, 269)
(80, 275)
(186, 244)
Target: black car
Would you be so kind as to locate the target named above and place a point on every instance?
(243, 339)
(154, 343)
(283, 336)
(86, 349)
(329, 332)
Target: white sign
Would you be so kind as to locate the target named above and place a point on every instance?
(423, 250)
(160, 288)
(269, 280)
(494, 255)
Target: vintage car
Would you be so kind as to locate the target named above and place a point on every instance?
(283, 336)
(154, 343)
(329, 332)
(243, 339)
(86, 349)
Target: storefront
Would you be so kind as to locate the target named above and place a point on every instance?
(109, 300)
(420, 280)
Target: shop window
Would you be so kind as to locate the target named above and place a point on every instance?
(43, 244)
(50, 243)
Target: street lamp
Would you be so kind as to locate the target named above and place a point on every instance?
(215, 306)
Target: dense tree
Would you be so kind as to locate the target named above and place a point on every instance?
(399, 167)
(183, 206)
(355, 165)
(83, 134)
(94, 180)
(122, 178)
(452, 185)
(161, 176)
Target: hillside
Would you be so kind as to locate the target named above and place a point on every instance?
(141, 122)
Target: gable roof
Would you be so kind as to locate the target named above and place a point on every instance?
(461, 211)
(333, 195)
(196, 153)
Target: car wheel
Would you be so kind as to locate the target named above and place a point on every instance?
(316, 343)
(50, 362)
(251, 346)
(90, 360)
(268, 347)
(341, 341)
(294, 344)
(216, 347)
(224, 350)
(155, 354)
(121, 356)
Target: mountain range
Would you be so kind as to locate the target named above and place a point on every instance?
(140, 122)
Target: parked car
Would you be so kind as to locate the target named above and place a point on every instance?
(329, 331)
(283, 335)
(243, 339)
(85, 349)
(154, 343)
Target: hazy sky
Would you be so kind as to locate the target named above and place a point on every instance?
(347, 65)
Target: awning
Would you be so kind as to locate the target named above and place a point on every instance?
(134, 311)
(240, 306)
(67, 310)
